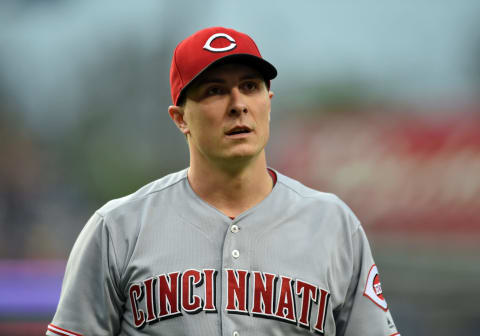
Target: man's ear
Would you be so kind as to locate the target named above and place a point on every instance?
(177, 115)
(270, 95)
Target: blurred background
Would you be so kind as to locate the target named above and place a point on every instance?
(376, 101)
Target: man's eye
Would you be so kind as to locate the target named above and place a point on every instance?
(250, 86)
(214, 91)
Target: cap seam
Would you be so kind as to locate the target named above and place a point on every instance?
(256, 47)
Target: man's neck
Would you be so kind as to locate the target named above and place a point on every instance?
(233, 190)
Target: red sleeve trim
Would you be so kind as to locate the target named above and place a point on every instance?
(60, 331)
(57, 333)
(396, 334)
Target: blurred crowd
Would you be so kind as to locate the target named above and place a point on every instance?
(405, 171)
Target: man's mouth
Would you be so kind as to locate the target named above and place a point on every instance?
(238, 130)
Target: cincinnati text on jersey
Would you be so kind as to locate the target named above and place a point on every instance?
(273, 296)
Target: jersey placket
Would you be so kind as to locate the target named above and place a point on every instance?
(235, 277)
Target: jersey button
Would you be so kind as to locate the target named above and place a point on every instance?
(236, 333)
(235, 254)
(234, 228)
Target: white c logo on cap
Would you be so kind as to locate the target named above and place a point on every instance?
(208, 46)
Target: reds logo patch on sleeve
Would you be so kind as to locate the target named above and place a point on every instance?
(373, 288)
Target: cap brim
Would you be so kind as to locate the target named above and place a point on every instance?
(267, 70)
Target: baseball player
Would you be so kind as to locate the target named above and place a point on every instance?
(227, 246)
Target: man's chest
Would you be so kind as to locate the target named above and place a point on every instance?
(229, 276)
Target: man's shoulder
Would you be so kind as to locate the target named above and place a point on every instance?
(160, 185)
(306, 192)
(313, 196)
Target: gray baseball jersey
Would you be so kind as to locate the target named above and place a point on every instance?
(164, 262)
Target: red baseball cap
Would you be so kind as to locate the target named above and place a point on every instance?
(212, 46)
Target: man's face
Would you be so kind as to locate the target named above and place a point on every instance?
(227, 113)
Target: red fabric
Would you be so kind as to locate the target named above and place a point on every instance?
(273, 175)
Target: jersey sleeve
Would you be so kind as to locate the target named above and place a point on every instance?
(90, 301)
(365, 311)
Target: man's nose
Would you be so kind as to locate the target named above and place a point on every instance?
(237, 105)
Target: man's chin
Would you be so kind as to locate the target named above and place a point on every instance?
(243, 155)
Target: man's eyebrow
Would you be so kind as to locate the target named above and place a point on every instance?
(218, 80)
(210, 80)
(251, 76)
